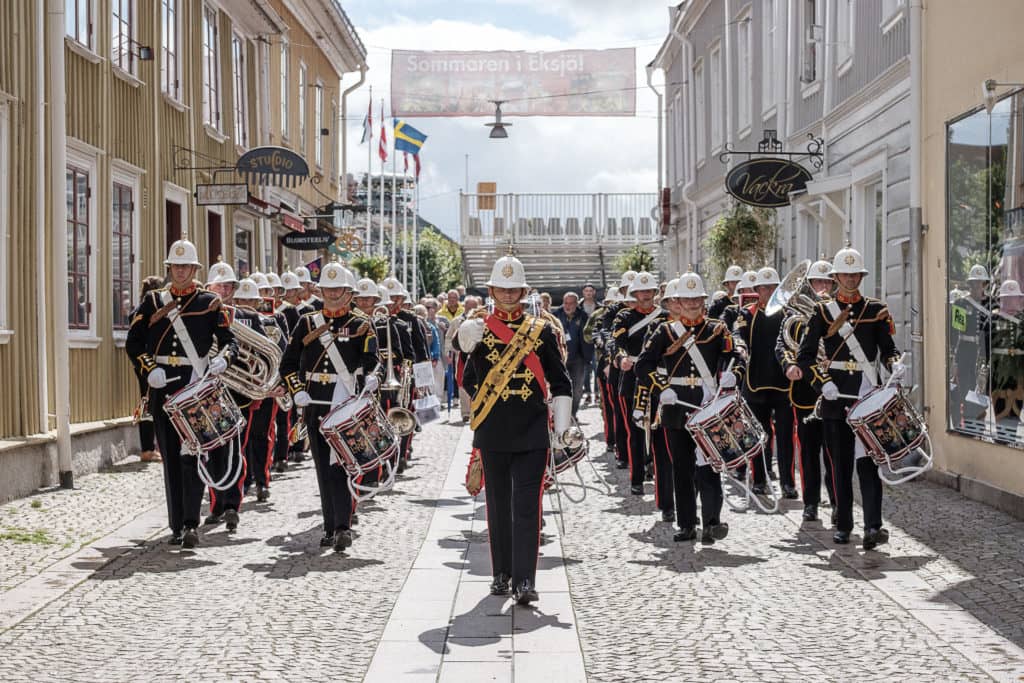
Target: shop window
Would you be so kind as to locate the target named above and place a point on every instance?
(122, 254)
(985, 269)
(79, 248)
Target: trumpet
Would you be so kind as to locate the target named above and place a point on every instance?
(401, 418)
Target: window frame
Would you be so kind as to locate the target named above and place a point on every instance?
(284, 76)
(769, 31)
(846, 27)
(716, 132)
(239, 224)
(116, 23)
(893, 12)
(126, 175)
(865, 175)
(170, 50)
(5, 136)
(90, 30)
(744, 71)
(209, 57)
(318, 123)
(240, 118)
(335, 121)
(807, 42)
(700, 112)
(302, 112)
(86, 161)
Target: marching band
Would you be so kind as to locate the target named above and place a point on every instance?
(695, 391)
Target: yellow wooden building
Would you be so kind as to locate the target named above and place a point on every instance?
(112, 113)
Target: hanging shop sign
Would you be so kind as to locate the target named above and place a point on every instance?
(766, 182)
(273, 166)
(307, 241)
(226, 193)
(347, 245)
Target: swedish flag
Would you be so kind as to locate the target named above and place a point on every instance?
(407, 138)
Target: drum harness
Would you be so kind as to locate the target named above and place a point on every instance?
(200, 368)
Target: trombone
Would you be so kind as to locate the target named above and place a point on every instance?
(401, 418)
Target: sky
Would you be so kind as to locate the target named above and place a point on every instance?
(564, 154)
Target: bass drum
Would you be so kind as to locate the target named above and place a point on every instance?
(890, 430)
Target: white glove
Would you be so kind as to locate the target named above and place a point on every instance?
(830, 391)
(638, 416)
(728, 380)
(470, 334)
(899, 371)
(157, 378)
(371, 384)
(668, 397)
(302, 399)
(561, 408)
(707, 395)
(218, 365)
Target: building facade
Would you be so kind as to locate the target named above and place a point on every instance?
(110, 116)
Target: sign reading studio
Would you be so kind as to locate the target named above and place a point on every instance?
(766, 182)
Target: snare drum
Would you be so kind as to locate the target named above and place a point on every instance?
(358, 431)
(887, 425)
(204, 415)
(727, 432)
(565, 459)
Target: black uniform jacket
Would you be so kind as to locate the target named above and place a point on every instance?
(401, 345)
(519, 420)
(625, 344)
(306, 360)
(291, 315)
(874, 329)
(605, 331)
(718, 306)
(801, 393)
(420, 349)
(664, 357)
(151, 333)
(759, 333)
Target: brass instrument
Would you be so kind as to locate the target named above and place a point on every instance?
(401, 418)
(255, 370)
(794, 295)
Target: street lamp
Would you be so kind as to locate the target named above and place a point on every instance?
(988, 92)
(498, 127)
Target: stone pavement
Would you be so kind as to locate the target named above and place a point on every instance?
(620, 600)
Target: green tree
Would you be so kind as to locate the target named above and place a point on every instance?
(743, 235)
(373, 267)
(636, 258)
(440, 261)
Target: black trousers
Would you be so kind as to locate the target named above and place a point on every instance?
(577, 367)
(635, 446)
(811, 436)
(332, 480)
(688, 479)
(622, 420)
(662, 470)
(839, 445)
(512, 486)
(283, 424)
(217, 462)
(607, 410)
(147, 435)
(182, 485)
(773, 409)
(259, 444)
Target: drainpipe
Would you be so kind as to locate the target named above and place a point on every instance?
(56, 95)
(39, 76)
(916, 225)
(661, 145)
(344, 132)
(689, 135)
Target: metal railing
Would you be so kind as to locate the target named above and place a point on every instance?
(555, 218)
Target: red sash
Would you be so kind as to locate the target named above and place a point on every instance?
(505, 334)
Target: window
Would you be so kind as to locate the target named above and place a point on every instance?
(122, 252)
(238, 77)
(812, 36)
(7, 183)
(243, 251)
(285, 94)
(744, 80)
(123, 34)
(211, 68)
(700, 107)
(302, 107)
(768, 74)
(870, 234)
(318, 123)
(169, 48)
(335, 122)
(716, 97)
(845, 21)
(78, 21)
(79, 249)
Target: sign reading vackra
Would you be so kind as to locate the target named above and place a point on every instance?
(311, 239)
(766, 182)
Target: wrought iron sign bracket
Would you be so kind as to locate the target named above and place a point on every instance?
(770, 145)
(184, 159)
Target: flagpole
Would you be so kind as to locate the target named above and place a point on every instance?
(369, 178)
(394, 209)
(380, 248)
(415, 236)
(405, 228)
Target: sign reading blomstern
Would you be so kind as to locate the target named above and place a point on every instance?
(272, 166)
(766, 182)
(309, 240)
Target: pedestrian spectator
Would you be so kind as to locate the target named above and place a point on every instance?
(434, 344)
(545, 301)
(573, 318)
(147, 434)
(452, 308)
(461, 290)
(589, 305)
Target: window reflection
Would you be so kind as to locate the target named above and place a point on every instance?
(985, 219)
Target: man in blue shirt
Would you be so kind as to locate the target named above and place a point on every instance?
(573, 318)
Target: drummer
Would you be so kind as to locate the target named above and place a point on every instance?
(330, 353)
(857, 333)
(170, 335)
(727, 297)
(612, 372)
(686, 359)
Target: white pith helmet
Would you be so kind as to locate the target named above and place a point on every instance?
(221, 273)
(260, 279)
(748, 280)
(274, 280)
(508, 272)
(336, 275)
(367, 287)
(302, 273)
(848, 261)
(978, 274)
(767, 276)
(1010, 288)
(733, 274)
(643, 281)
(820, 270)
(247, 290)
(627, 279)
(182, 253)
(290, 281)
(689, 286)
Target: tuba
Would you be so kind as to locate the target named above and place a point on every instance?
(401, 418)
(255, 370)
(794, 295)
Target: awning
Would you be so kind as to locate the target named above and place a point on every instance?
(293, 222)
(277, 166)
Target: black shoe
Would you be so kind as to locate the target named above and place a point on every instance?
(281, 466)
(525, 593)
(686, 533)
(810, 513)
(262, 493)
(175, 538)
(706, 538)
(501, 585)
(401, 466)
(668, 516)
(760, 489)
(342, 540)
(636, 489)
(841, 537)
(327, 540)
(231, 519)
(190, 539)
(213, 519)
(875, 537)
(789, 492)
(622, 465)
(298, 456)
(718, 531)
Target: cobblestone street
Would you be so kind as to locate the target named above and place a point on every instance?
(90, 591)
